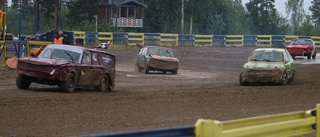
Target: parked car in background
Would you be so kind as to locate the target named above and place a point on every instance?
(156, 58)
(68, 67)
(268, 65)
(302, 47)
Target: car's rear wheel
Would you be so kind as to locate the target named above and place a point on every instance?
(284, 79)
(309, 56)
(242, 83)
(23, 81)
(105, 85)
(69, 85)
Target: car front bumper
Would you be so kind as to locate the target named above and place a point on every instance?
(272, 76)
(163, 65)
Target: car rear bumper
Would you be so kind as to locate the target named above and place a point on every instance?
(300, 54)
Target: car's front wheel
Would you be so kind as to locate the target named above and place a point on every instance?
(314, 55)
(105, 85)
(23, 81)
(309, 56)
(137, 68)
(242, 83)
(69, 85)
(175, 71)
(146, 70)
(284, 79)
(293, 76)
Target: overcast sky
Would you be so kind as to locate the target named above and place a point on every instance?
(281, 7)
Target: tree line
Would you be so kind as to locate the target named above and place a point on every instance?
(214, 17)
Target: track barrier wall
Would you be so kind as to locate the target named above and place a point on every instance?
(118, 38)
(171, 40)
(278, 125)
(20, 48)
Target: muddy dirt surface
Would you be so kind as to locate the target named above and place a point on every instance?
(206, 87)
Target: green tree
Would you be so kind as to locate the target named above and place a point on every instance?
(294, 9)
(80, 13)
(315, 9)
(263, 15)
(240, 23)
(306, 28)
(152, 20)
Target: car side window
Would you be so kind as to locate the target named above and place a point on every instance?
(145, 51)
(86, 57)
(140, 51)
(285, 56)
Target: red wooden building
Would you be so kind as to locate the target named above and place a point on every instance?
(121, 13)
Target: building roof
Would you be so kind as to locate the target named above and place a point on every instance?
(120, 2)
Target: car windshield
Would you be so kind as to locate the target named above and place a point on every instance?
(300, 42)
(53, 53)
(159, 51)
(266, 56)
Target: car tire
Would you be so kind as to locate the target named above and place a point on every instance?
(293, 76)
(137, 68)
(23, 81)
(146, 70)
(284, 79)
(164, 72)
(309, 56)
(242, 83)
(105, 85)
(293, 57)
(175, 71)
(69, 85)
(314, 55)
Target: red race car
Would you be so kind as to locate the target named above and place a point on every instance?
(302, 47)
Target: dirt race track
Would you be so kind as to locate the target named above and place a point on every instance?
(206, 87)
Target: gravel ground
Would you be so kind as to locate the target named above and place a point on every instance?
(206, 87)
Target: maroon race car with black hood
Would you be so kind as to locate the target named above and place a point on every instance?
(68, 67)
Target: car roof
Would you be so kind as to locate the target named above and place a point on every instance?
(303, 39)
(62, 46)
(156, 47)
(270, 50)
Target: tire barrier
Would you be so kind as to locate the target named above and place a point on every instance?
(118, 38)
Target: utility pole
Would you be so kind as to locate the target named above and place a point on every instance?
(182, 16)
(4, 5)
(57, 14)
(37, 17)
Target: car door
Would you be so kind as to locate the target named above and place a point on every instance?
(87, 70)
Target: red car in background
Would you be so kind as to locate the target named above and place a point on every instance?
(302, 47)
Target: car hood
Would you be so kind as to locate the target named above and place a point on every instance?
(165, 58)
(297, 46)
(44, 61)
(263, 65)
